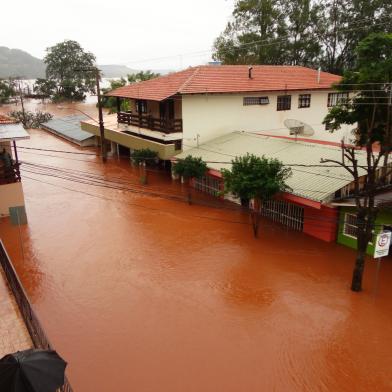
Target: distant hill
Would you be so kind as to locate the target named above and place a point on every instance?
(116, 71)
(18, 63)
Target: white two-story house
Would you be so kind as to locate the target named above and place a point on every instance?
(175, 112)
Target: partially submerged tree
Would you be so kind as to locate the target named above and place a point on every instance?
(72, 69)
(30, 119)
(45, 88)
(189, 168)
(7, 90)
(255, 178)
(144, 155)
(370, 108)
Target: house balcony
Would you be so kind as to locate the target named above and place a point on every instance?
(146, 121)
(157, 136)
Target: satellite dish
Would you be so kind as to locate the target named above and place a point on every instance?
(297, 127)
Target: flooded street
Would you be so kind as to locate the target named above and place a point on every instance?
(145, 293)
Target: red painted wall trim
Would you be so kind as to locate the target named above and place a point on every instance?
(214, 173)
(300, 200)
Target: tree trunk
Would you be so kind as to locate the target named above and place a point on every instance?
(255, 216)
(245, 202)
(356, 284)
(365, 223)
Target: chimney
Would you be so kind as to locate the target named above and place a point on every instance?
(250, 72)
(318, 75)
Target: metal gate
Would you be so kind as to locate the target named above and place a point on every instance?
(208, 184)
(283, 212)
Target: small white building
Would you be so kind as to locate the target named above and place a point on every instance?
(175, 112)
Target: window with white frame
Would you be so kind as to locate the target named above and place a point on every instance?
(350, 227)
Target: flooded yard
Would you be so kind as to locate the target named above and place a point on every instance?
(145, 293)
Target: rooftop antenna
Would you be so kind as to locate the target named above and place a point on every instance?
(250, 72)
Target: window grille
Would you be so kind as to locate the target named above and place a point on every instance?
(284, 102)
(304, 100)
(350, 227)
(337, 98)
(255, 101)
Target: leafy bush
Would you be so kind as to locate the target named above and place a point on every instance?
(190, 167)
(144, 155)
(30, 119)
(252, 177)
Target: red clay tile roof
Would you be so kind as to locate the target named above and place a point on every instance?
(227, 79)
(6, 120)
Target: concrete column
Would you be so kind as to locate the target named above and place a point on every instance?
(113, 149)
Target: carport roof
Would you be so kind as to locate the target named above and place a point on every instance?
(310, 179)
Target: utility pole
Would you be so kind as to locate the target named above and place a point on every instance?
(22, 103)
(100, 115)
(100, 118)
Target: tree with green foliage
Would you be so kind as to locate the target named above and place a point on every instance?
(72, 69)
(190, 168)
(31, 119)
(370, 110)
(144, 155)
(258, 21)
(300, 32)
(111, 102)
(255, 178)
(7, 90)
(141, 76)
(45, 88)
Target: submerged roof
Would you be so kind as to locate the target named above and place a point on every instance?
(6, 120)
(12, 131)
(317, 183)
(69, 127)
(228, 79)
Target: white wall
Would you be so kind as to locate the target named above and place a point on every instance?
(11, 195)
(212, 115)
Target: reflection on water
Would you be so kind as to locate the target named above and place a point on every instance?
(148, 294)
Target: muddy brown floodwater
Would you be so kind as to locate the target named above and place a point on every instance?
(141, 293)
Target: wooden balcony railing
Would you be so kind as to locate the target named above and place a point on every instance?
(9, 174)
(146, 121)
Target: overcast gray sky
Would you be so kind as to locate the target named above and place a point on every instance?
(119, 31)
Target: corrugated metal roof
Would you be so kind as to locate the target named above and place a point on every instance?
(12, 132)
(314, 183)
(228, 79)
(69, 127)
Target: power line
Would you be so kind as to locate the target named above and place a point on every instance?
(195, 147)
(260, 43)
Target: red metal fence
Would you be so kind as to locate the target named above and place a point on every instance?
(34, 326)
